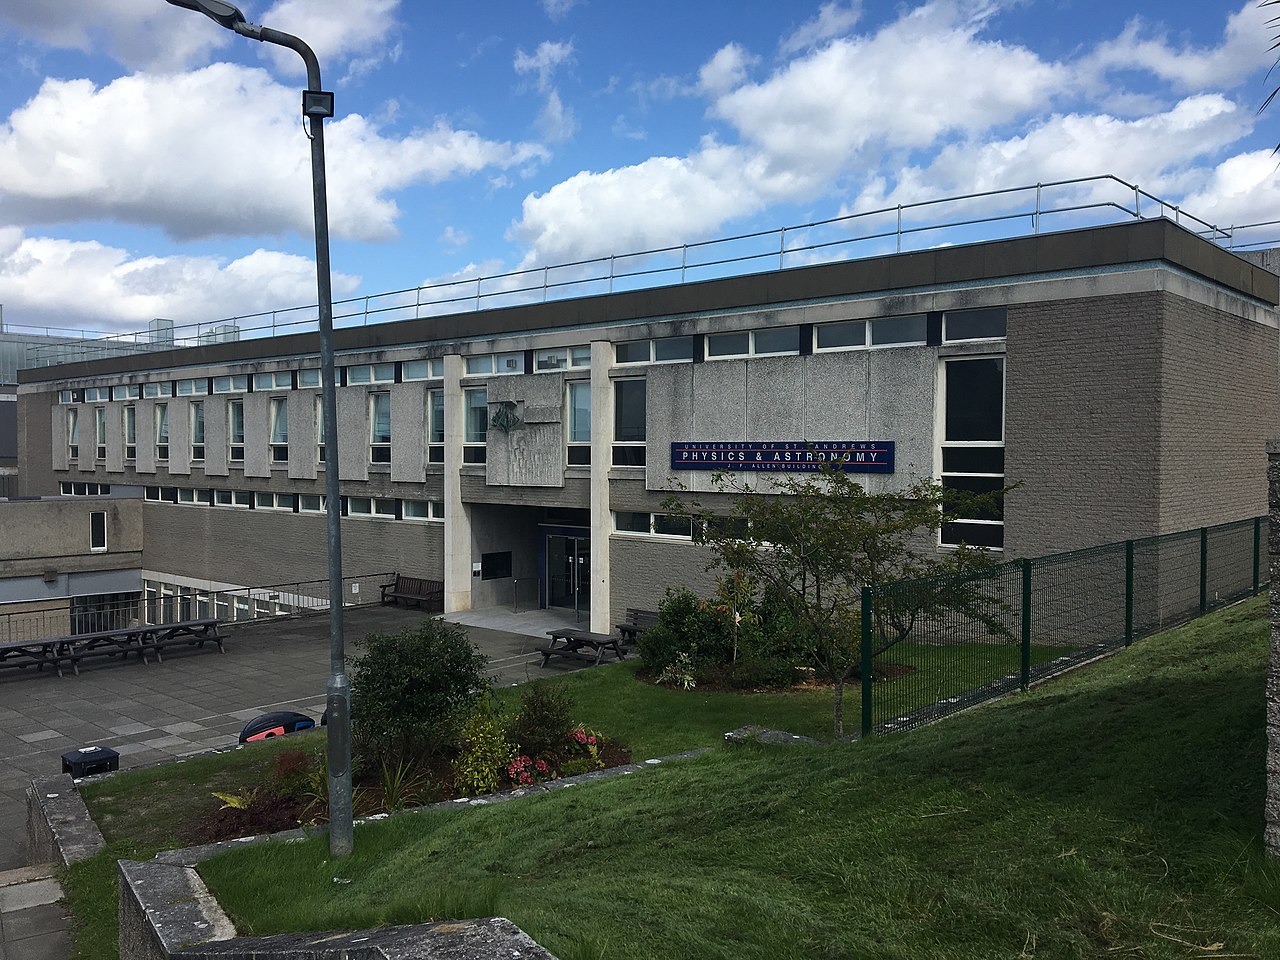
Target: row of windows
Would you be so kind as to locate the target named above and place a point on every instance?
(629, 429)
(374, 507)
(907, 330)
(76, 489)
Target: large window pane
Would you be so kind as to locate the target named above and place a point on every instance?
(974, 324)
(629, 411)
(477, 415)
(778, 340)
(380, 418)
(729, 344)
(975, 399)
(280, 420)
(833, 336)
(908, 329)
(580, 412)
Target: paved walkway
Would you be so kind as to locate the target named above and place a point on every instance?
(194, 701)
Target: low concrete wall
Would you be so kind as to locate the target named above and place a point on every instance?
(59, 828)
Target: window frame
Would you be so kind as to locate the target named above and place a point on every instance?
(379, 448)
(162, 435)
(235, 437)
(278, 448)
(196, 417)
(475, 451)
(626, 450)
(946, 444)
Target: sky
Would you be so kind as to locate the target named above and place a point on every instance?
(153, 164)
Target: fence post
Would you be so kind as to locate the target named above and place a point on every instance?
(1026, 625)
(1257, 554)
(1204, 569)
(1128, 592)
(866, 661)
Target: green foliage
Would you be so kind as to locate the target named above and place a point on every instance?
(686, 625)
(291, 772)
(413, 690)
(546, 715)
(820, 540)
(240, 800)
(403, 783)
(756, 673)
(485, 750)
(679, 673)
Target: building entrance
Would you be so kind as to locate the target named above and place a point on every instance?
(569, 573)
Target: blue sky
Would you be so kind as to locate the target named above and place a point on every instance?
(153, 164)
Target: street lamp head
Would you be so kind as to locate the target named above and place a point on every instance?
(225, 14)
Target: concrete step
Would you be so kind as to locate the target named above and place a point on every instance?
(40, 871)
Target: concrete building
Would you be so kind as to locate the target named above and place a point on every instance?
(1125, 377)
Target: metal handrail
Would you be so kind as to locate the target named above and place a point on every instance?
(599, 274)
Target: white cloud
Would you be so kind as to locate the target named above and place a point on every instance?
(1242, 189)
(544, 60)
(832, 20)
(559, 9)
(1243, 50)
(1072, 145)
(138, 33)
(87, 284)
(725, 70)
(135, 150)
(556, 123)
(334, 29)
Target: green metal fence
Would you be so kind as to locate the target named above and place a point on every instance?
(932, 647)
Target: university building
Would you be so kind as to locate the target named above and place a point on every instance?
(1125, 378)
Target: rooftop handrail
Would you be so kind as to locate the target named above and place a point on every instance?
(601, 274)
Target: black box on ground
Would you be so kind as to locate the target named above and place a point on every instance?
(87, 761)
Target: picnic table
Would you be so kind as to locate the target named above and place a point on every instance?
(143, 639)
(572, 642)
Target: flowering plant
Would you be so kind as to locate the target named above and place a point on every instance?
(526, 771)
(585, 743)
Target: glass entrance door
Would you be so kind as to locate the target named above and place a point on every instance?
(569, 573)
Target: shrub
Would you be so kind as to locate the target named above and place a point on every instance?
(413, 690)
(754, 673)
(688, 625)
(291, 772)
(546, 714)
(485, 750)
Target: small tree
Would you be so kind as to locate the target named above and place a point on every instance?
(413, 690)
(822, 538)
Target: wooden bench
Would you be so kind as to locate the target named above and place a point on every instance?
(572, 641)
(426, 594)
(637, 622)
(142, 639)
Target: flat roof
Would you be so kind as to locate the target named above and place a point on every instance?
(1121, 244)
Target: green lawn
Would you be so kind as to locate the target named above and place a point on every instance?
(1113, 813)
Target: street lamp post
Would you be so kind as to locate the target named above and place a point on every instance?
(317, 104)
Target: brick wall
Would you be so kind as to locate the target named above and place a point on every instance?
(642, 570)
(35, 456)
(1081, 405)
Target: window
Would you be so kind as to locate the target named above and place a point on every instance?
(435, 426)
(973, 447)
(274, 501)
(76, 489)
(367, 507)
(308, 378)
(379, 428)
(422, 509)
(280, 380)
(629, 423)
(153, 390)
(127, 392)
(477, 427)
(100, 432)
(372, 373)
(232, 498)
(131, 433)
(193, 388)
(73, 433)
(162, 432)
(311, 503)
(95, 394)
(98, 531)
(495, 566)
(432, 369)
(234, 384)
(662, 350)
(235, 431)
(773, 341)
(899, 331)
(65, 488)
(579, 452)
(986, 324)
(319, 429)
(188, 495)
(280, 430)
(561, 358)
(846, 335)
(496, 363)
(197, 430)
(657, 524)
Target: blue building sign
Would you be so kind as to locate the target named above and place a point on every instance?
(851, 456)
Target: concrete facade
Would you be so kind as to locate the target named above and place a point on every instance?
(1141, 375)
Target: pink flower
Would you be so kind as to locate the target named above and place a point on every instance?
(591, 740)
(541, 766)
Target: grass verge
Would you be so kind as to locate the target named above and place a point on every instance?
(1113, 813)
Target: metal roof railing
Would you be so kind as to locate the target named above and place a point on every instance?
(967, 218)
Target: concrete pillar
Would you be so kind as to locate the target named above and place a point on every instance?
(1272, 808)
(601, 461)
(457, 515)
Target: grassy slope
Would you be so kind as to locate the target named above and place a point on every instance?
(1112, 813)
